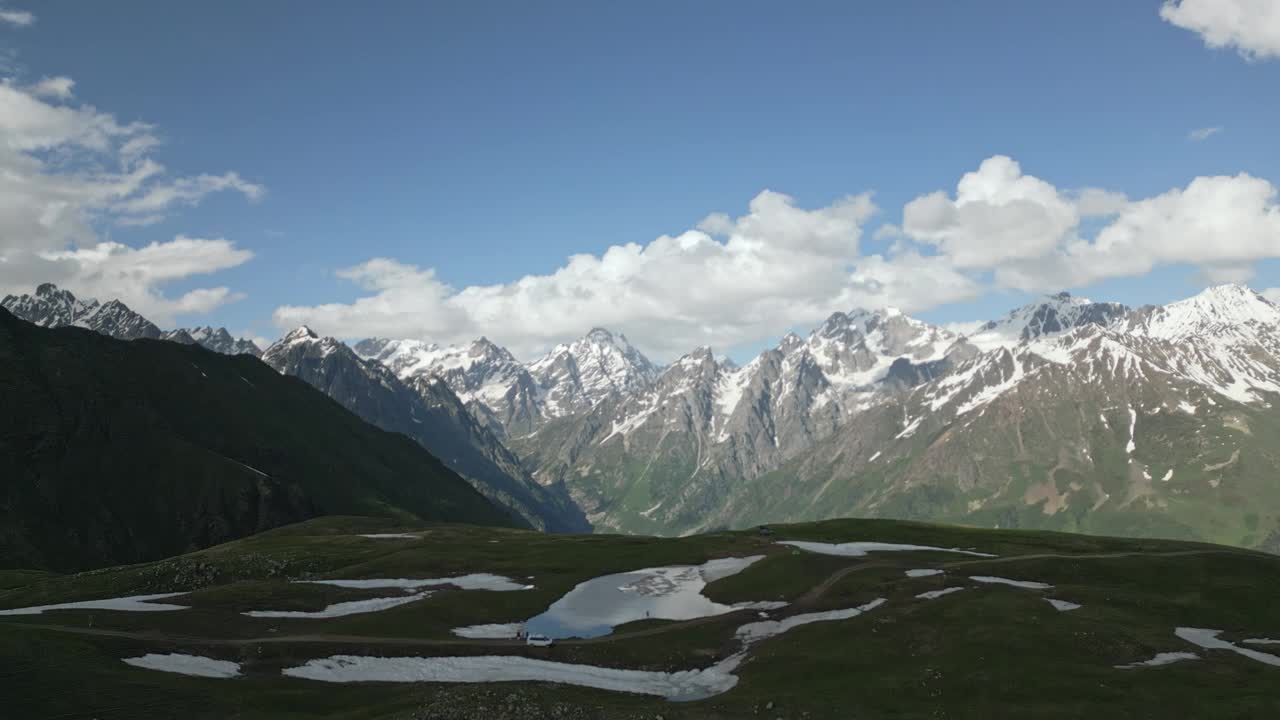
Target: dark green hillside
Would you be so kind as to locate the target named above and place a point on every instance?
(117, 452)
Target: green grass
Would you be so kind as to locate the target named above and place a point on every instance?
(988, 651)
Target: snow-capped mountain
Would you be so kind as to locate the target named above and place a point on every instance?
(1064, 414)
(576, 376)
(497, 389)
(1160, 422)
(1051, 315)
(217, 340)
(702, 423)
(424, 408)
(516, 399)
(54, 307)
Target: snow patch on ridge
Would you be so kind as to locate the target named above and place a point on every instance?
(132, 603)
(342, 609)
(183, 664)
(860, 549)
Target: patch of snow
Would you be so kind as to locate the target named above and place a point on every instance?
(910, 429)
(1209, 640)
(728, 390)
(503, 631)
(597, 606)
(873, 457)
(934, 594)
(474, 581)
(626, 425)
(991, 392)
(1133, 423)
(757, 631)
(720, 568)
(1261, 641)
(1025, 584)
(1062, 605)
(342, 609)
(683, 685)
(860, 549)
(186, 665)
(928, 572)
(1167, 476)
(132, 603)
(1187, 407)
(390, 536)
(1164, 658)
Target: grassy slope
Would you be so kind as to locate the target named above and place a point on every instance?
(987, 651)
(993, 471)
(115, 451)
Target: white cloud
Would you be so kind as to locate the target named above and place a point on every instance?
(1221, 274)
(135, 276)
(262, 342)
(1202, 134)
(1272, 294)
(733, 281)
(998, 214)
(66, 171)
(53, 87)
(1218, 223)
(1250, 26)
(188, 191)
(1096, 202)
(21, 18)
(965, 327)
(1027, 232)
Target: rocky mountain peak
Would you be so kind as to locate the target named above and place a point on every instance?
(483, 348)
(790, 343)
(1049, 315)
(300, 333)
(600, 335)
(578, 375)
(1219, 311)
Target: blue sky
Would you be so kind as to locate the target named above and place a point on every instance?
(489, 140)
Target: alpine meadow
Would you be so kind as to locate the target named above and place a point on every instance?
(665, 361)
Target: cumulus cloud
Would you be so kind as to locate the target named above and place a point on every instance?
(998, 214)
(732, 281)
(20, 18)
(53, 87)
(1220, 274)
(1250, 26)
(1202, 134)
(68, 170)
(1027, 231)
(727, 282)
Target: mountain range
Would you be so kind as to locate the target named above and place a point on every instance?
(117, 452)
(1024, 422)
(423, 408)
(52, 307)
(1064, 414)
